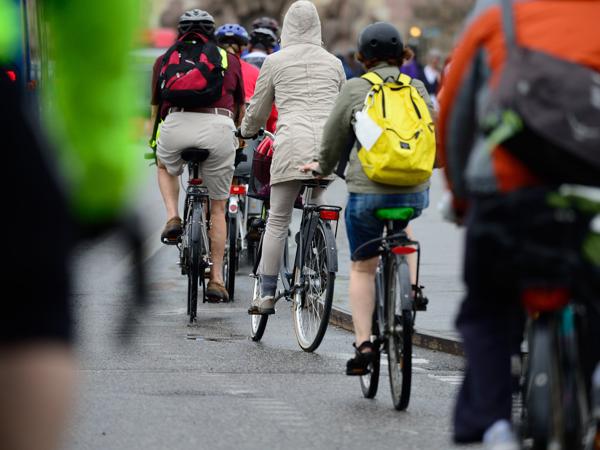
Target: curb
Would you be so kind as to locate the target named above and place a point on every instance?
(431, 341)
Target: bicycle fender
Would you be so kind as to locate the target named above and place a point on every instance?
(332, 256)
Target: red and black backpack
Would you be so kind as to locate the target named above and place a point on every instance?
(192, 72)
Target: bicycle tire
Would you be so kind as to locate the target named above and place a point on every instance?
(307, 302)
(370, 382)
(542, 400)
(230, 257)
(194, 252)
(399, 324)
(258, 323)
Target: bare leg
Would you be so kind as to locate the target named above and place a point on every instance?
(362, 297)
(412, 258)
(218, 235)
(169, 188)
(36, 385)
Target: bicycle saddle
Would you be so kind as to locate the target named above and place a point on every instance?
(404, 214)
(316, 183)
(194, 154)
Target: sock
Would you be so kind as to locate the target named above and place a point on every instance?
(268, 285)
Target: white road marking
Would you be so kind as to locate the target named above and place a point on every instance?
(455, 380)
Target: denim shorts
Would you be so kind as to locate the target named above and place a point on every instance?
(362, 225)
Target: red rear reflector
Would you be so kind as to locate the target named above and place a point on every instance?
(545, 299)
(329, 214)
(237, 190)
(195, 181)
(401, 250)
(12, 75)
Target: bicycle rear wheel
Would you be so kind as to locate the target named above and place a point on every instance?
(399, 324)
(230, 257)
(370, 382)
(194, 255)
(311, 307)
(542, 399)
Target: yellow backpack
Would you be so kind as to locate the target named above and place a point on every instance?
(404, 152)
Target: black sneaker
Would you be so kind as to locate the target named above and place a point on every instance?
(366, 354)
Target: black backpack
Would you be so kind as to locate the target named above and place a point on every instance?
(192, 72)
(546, 112)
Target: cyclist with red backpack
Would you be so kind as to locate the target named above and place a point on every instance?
(198, 92)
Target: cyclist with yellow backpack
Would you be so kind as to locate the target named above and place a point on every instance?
(387, 117)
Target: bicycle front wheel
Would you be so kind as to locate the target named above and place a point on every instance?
(258, 322)
(399, 324)
(230, 258)
(311, 307)
(370, 382)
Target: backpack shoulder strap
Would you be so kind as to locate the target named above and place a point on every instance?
(404, 79)
(373, 78)
(509, 24)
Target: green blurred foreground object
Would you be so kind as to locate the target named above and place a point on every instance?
(93, 95)
(9, 19)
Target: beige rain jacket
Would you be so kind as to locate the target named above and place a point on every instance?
(303, 80)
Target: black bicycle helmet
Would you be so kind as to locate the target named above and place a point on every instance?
(263, 38)
(380, 41)
(198, 20)
(266, 22)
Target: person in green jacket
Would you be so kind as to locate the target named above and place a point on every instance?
(380, 50)
(77, 180)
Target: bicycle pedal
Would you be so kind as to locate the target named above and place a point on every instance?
(421, 303)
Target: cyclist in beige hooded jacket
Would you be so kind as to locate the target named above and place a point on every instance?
(303, 80)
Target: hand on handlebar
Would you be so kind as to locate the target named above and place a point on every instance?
(238, 133)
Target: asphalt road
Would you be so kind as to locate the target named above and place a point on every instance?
(209, 387)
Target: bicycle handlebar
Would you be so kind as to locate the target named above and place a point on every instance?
(261, 132)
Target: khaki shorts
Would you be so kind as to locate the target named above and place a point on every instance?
(213, 132)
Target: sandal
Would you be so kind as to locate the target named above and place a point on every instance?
(172, 231)
(366, 354)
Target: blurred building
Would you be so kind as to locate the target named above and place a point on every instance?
(437, 21)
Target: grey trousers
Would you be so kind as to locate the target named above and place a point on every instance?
(283, 197)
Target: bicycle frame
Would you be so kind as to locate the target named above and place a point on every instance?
(389, 244)
(311, 215)
(196, 197)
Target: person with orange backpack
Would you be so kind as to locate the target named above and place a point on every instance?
(519, 117)
(198, 92)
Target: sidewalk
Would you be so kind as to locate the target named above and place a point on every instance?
(441, 268)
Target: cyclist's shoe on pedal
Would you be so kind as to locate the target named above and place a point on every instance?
(500, 436)
(420, 300)
(216, 292)
(262, 305)
(172, 231)
(366, 354)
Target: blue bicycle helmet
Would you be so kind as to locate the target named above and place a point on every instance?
(232, 32)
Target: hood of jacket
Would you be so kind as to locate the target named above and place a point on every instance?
(301, 25)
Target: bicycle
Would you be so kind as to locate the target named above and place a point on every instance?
(236, 220)
(194, 253)
(309, 283)
(554, 392)
(395, 307)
